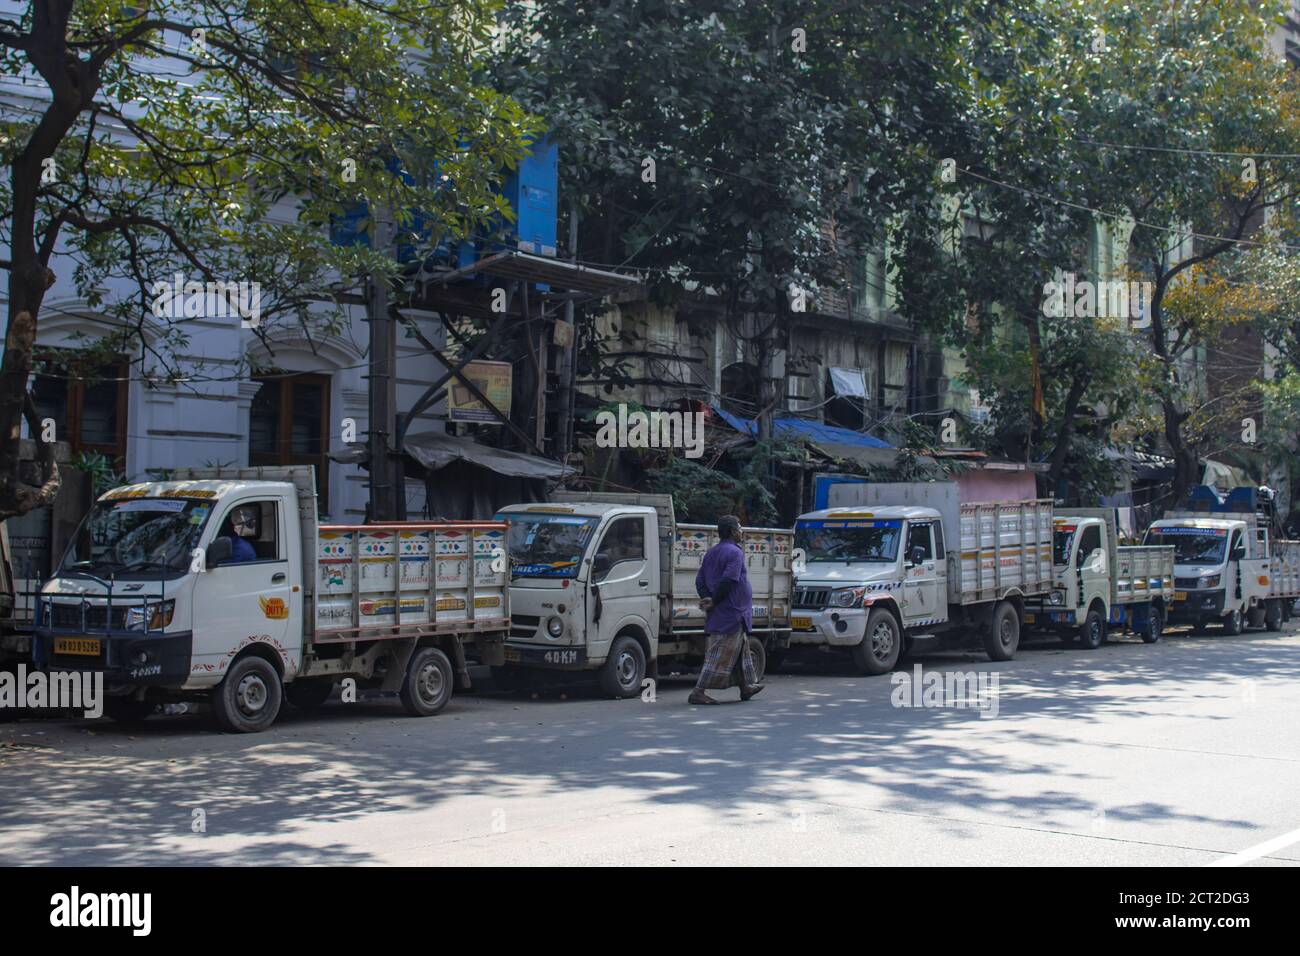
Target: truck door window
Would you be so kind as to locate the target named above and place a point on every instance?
(1236, 542)
(624, 541)
(1089, 542)
(918, 536)
(257, 523)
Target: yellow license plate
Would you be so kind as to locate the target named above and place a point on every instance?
(1030, 618)
(513, 656)
(1180, 595)
(801, 623)
(85, 646)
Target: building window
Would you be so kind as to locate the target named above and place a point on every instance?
(289, 425)
(88, 405)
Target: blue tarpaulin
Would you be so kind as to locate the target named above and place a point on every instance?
(813, 431)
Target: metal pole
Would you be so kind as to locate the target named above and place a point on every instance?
(568, 357)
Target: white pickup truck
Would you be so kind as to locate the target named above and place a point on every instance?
(1099, 585)
(606, 582)
(911, 561)
(1228, 570)
(152, 593)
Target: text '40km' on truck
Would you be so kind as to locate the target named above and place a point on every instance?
(1228, 569)
(606, 582)
(1099, 585)
(155, 592)
(895, 563)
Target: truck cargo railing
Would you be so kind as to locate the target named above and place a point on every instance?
(1284, 570)
(377, 581)
(1143, 572)
(1006, 547)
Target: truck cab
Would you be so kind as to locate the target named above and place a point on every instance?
(850, 561)
(1081, 550)
(585, 583)
(1220, 570)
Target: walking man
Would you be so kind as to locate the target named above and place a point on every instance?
(725, 594)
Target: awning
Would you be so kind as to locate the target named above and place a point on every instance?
(818, 432)
(434, 451)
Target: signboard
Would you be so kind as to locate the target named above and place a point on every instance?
(493, 380)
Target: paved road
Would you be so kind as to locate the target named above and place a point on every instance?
(1180, 753)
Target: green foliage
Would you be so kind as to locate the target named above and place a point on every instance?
(701, 494)
(102, 474)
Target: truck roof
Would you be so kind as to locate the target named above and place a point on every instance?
(1224, 522)
(208, 489)
(892, 512)
(586, 509)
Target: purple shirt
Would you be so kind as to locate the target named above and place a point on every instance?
(725, 561)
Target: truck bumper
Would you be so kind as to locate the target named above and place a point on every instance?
(1038, 614)
(156, 660)
(562, 658)
(838, 627)
(1197, 606)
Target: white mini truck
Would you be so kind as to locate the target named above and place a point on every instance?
(605, 582)
(1099, 585)
(150, 593)
(912, 562)
(1228, 570)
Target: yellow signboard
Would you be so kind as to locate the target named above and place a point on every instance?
(490, 378)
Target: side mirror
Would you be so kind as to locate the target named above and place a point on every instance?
(1238, 552)
(600, 565)
(1097, 561)
(218, 553)
(918, 554)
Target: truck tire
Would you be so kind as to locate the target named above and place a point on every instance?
(1273, 616)
(428, 683)
(128, 710)
(1003, 634)
(248, 700)
(881, 644)
(1234, 623)
(1155, 626)
(1093, 633)
(624, 669)
(759, 653)
(308, 693)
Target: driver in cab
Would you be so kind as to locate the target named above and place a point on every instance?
(241, 528)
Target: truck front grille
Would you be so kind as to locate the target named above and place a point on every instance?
(1186, 584)
(68, 617)
(524, 625)
(811, 598)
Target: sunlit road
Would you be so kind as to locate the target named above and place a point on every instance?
(1180, 753)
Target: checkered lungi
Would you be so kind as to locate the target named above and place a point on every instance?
(726, 654)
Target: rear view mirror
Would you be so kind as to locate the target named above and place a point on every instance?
(600, 565)
(918, 554)
(1238, 553)
(217, 553)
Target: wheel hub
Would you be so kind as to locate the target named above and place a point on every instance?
(251, 694)
(430, 682)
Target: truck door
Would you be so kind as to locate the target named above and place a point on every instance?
(621, 573)
(1234, 580)
(920, 579)
(250, 597)
(1093, 566)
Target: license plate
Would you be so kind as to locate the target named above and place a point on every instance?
(85, 646)
(1030, 618)
(1180, 595)
(801, 623)
(513, 656)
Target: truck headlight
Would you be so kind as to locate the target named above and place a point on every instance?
(1056, 597)
(555, 626)
(1211, 581)
(847, 597)
(160, 615)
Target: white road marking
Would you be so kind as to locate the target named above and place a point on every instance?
(1255, 852)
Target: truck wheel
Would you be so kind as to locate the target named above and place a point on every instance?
(1273, 616)
(1093, 633)
(624, 669)
(1003, 634)
(759, 653)
(1233, 624)
(128, 710)
(881, 644)
(428, 683)
(248, 700)
(1155, 626)
(308, 693)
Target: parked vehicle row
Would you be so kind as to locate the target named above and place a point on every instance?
(221, 586)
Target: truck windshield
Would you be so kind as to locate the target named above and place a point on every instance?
(546, 545)
(1192, 545)
(848, 540)
(137, 537)
(1061, 540)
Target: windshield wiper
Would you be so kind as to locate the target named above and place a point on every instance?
(141, 565)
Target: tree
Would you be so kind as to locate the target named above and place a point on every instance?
(160, 137)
